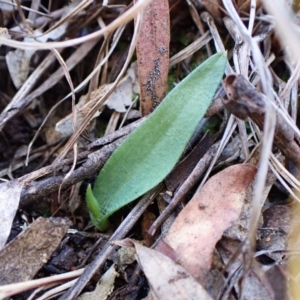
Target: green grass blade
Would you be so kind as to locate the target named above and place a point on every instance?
(150, 152)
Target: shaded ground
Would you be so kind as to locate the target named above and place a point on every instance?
(234, 242)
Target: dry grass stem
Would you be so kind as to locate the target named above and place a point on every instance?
(59, 102)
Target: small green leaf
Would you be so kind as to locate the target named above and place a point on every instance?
(93, 206)
(150, 152)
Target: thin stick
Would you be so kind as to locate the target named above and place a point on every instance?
(120, 233)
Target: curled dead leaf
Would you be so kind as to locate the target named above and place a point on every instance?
(201, 223)
(167, 279)
(152, 51)
(214, 7)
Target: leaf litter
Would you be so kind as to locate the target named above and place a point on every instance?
(252, 249)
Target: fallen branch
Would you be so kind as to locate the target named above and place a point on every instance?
(95, 161)
(244, 101)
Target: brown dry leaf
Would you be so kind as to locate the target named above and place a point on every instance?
(24, 256)
(153, 54)
(195, 232)
(240, 230)
(167, 279)
(214, 7)
(10, 193)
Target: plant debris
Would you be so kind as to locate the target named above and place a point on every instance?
(78, 77)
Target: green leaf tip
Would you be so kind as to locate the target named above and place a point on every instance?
(99, 221)
(151, 151)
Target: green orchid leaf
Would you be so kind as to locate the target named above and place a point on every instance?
(150, 152)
